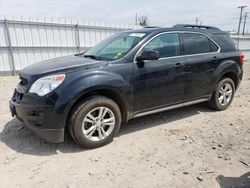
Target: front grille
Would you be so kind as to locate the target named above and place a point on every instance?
(20, 90)
(23, 81)
(17, 96)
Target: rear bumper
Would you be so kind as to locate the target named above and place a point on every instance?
(39, 117)
(239, 76)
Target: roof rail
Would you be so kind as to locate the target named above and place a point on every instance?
(195, 26)
(151, 27)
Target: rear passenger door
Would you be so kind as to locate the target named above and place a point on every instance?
(201, 60)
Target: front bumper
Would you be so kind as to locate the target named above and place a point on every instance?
(38, 114)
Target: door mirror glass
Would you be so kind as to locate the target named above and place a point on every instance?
(148, 55)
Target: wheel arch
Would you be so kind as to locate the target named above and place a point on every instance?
(229, 69)
(109, 93)
(232, 75)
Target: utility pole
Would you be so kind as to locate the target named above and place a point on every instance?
(136, 19)
(241, 10)
(196, 21)
(245, 20)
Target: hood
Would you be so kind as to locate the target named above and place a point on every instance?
(61, 64)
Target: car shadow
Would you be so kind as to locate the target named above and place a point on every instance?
(236, 182)
(23, 140)
(153, 120)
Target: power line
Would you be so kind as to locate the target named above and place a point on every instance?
(241, 10)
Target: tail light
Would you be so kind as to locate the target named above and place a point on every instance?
(241, 58)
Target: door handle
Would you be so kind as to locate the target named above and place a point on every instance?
(178, 65)
(215, 59)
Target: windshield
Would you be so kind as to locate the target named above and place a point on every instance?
(115, 46)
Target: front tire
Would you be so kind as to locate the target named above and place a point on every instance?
(223, 94)
(95, 122)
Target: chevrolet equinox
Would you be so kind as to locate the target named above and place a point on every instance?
(128, 75)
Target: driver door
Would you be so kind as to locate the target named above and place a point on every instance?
(159, 83)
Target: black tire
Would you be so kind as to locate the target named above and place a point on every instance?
(81, 111)
(214, 102)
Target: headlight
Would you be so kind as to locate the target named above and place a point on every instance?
(46, 84)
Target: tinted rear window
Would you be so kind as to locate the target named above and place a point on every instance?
(195, 43)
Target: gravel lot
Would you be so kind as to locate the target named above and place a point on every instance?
(188, 147)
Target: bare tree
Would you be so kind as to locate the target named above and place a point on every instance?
(143, 21)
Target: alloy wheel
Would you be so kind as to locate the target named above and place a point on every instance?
(98, 123)
(225, 94)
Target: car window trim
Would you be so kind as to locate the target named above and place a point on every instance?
(179, 32)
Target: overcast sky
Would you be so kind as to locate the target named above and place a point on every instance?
(221, 13)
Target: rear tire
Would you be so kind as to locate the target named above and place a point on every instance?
(223, 94)
(95, 122)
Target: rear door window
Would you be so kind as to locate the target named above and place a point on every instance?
(195, 43)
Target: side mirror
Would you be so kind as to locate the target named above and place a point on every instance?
(148, 55)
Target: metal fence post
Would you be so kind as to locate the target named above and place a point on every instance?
(77, 38)
(12, 63)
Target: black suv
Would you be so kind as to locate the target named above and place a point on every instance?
(128, 75)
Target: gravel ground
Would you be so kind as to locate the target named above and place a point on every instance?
(188, 147)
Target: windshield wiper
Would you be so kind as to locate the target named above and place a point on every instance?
(97, 57)
(79, 54)
(93, 57)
